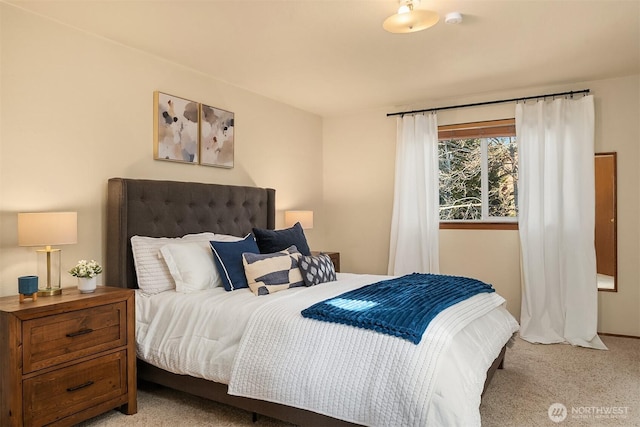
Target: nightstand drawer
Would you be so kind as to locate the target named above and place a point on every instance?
(59, 338)
(54, 395)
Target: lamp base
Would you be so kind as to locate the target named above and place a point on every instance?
(49, 292)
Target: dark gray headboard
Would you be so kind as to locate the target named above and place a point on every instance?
(173, 209)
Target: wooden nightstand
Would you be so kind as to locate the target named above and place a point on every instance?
(335, 258)
(67, 358)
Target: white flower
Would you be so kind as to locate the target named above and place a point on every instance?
(86, 269)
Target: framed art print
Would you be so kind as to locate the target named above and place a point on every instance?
(175, 129)
(216, 137)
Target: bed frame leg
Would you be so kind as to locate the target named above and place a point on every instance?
(254, 417)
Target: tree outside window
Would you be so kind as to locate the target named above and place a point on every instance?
(478, 172)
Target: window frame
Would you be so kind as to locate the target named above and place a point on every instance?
(483, 129)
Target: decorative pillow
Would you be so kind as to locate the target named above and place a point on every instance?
(317, 269)
(191, 266)
(151, 270)
(228, 259)
(269, 273)
(270, 241)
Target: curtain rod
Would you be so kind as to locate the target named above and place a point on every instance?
(571, 93)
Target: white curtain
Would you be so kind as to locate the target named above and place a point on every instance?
(556, 203)
(415, 221)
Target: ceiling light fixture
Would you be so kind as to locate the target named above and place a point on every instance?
(409, 20)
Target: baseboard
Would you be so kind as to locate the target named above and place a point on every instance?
(618, 335)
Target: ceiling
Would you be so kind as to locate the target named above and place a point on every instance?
(333, 57)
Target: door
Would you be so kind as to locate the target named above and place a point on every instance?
(605, 232)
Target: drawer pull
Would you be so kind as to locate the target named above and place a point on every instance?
(80, 332)
(78, 387)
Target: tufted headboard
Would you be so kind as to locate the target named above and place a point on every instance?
(173, 209)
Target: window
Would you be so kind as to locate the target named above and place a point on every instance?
(478, 172)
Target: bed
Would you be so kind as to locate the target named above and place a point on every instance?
(169, 209)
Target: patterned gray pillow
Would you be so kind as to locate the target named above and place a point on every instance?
(317, 269)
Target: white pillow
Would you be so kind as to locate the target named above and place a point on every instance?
(152, 271)
(191, 266)
(227, 238)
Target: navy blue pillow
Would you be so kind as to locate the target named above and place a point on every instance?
(271, 241)
(228, 259)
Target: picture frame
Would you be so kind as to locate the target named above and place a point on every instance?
(217, 140)
(175, 129)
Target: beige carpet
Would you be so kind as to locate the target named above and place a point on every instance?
(589, 383)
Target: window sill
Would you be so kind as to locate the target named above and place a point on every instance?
(454, 225)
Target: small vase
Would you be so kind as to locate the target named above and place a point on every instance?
(87, 285)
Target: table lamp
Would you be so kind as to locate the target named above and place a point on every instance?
(48, 229)
(305, 218)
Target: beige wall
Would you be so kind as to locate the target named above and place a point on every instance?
(618, 129)
(359, 153)
(77, 110)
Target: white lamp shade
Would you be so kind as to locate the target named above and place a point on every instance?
(305, 218)
(47, 228)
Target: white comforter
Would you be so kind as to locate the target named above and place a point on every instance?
(345, 372)
(194, 334)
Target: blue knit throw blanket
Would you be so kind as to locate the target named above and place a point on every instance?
(402, 307)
